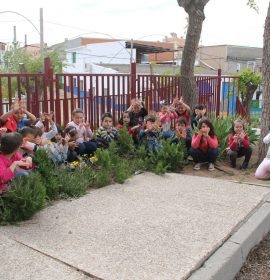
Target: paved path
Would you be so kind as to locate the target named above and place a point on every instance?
(151, 227)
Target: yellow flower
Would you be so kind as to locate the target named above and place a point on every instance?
(93, 159)
(75, 163)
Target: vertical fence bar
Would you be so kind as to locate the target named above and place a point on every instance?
(97, 100)
(9, 92)
(45, 96)
(109, 95)
(218, 92)
(1, 97)
(57, 101)
(113, 100)
(65, 101)
(19, 87)
(91, 100)
(35, 107)
(78, 91)
(71, 92)
(28, 94)
(118, 96)
(123, 95)
(139, 86)
(85, 108)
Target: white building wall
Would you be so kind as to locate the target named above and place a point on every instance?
(88, 55)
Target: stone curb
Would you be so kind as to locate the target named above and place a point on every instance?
(227, 261)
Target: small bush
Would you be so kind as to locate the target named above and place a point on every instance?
(26, 196)
(125, 143)
(47, 170)
(222, 129)
(73, 183)
(168, 158)
(102, 178)
(122, 171)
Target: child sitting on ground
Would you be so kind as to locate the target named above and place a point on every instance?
(125, 121)
(198, 113)
(204, 145)
(84, 133)
(182, 110)
(166, 116)
(72, 154)
(150, 134)
(106, 132)
(137, 112)
(11, 161)
(182, 133)
(239, 145)
(52, 130)
(263, 170)
(15, 119)
(58, 147)
(29, 145)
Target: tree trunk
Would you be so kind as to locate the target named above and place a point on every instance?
(265, 120)
(247, 102)
(195, 10)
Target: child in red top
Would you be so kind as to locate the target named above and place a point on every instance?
(133, 128)
(239, 145)
(204, 145)
(166, 117)
(11, 160)
(182, 110)
(15, 119)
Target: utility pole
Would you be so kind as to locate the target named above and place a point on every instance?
(25, 41)
(41, 34)
(14, 36)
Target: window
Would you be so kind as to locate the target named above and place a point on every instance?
(251, 65)
(74, 57)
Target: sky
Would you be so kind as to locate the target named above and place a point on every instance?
(227, 21)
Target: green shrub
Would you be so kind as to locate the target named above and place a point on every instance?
(168, 158)
(122, 171)
(47, 170)
(222, 129)
(125, 143)
(74, 183)
(26, 196)
(102, 178)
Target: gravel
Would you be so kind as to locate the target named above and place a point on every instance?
(257, 266)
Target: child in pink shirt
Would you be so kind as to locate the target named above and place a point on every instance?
(11, 160)
(84, 133)
(166, 118)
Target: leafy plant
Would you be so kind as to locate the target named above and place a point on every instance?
(46, 169)
(125, 143)
(75, 183)
(26, 196)
(168, 158)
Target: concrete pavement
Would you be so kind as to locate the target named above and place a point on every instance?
(151, 227)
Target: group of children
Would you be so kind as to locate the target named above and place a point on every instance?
(21, 134)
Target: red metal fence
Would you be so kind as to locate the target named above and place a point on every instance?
(97, 94)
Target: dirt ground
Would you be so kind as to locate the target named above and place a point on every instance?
(225, 172)
(257, 266)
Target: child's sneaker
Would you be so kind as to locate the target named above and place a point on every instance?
(233, 162)
(244, 165)
(197, 166)
(211, 167)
